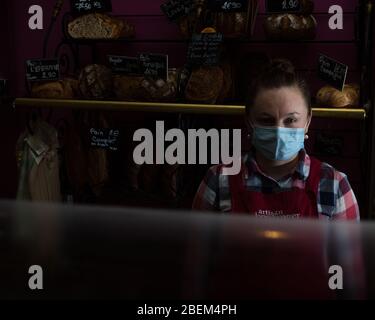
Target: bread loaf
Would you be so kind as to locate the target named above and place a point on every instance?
(160, 90)
(204, 85)
(331, 97)
(62, 89)
(95, 82)
(99, 26)
(138, 88)
(290, 27)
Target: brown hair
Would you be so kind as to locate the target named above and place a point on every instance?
(276, 74)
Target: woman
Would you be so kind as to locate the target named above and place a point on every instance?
(277, 177)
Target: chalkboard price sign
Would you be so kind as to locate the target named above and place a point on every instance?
(328, 144)
(104, 138)
(205, 49)
(154, 65)
(87, 6)
(228, 5)
(332, 71)
(279, 6)
(42, 70)
(126, 65)
(175, 9)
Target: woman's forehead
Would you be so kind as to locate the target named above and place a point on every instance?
(280, 102)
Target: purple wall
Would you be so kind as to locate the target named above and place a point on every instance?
(152, 25)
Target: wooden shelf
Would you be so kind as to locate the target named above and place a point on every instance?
(353, 113)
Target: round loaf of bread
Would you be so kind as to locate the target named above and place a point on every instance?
(204, 85)
(328, 96)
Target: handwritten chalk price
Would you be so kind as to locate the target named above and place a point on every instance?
(291, 4)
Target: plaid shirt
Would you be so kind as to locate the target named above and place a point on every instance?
(335, 198)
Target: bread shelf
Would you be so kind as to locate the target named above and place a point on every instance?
(186, 41)
(354, 113)
(130, 106)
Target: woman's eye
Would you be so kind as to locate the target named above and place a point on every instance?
(290, 120)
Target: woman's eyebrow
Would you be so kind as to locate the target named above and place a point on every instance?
(292, 113)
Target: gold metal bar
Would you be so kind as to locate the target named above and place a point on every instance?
(131, 106)
(353, 113)
(339, 113)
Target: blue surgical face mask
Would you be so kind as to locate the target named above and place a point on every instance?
(278, 143)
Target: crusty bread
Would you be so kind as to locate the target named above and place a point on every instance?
(204, 85)
(139, 88)
(290, 27)
(62, 89)
(331, 97)
(159, 90)
(99, 26)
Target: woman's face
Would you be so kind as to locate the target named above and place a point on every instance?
(282, 107)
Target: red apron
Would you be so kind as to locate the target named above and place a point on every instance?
(293, 203)
(280, 272)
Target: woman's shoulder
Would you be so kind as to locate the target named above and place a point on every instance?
(336, 198)
(327, 171)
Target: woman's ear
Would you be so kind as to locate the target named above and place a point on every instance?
(308, 124)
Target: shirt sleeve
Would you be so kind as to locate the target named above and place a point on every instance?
(207, 196)
(346, 207)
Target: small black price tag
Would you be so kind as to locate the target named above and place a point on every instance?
(104, 138)
(154, 65)
(228, 5)
(42, 70)
(175, 9)
(280, 6)
(327, 144)
(205, 49)
(125, 65)
(332, 71)
(87, 6)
